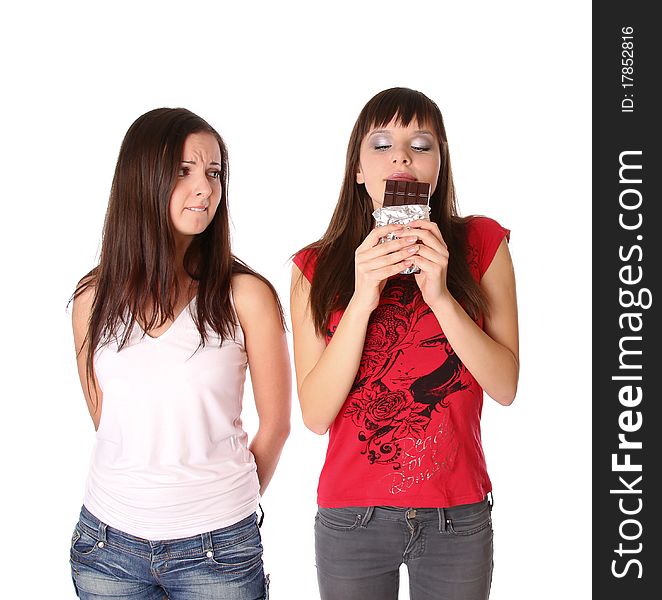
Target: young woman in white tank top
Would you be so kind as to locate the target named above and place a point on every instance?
(165, 327)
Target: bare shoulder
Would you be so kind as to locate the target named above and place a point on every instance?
(253, 298)
(299, 283)
(83, 302)
(501, 267)
(80, 313)
(250, 291)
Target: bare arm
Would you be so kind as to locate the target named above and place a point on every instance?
(80, 318)
(269, 364)
(325, 374)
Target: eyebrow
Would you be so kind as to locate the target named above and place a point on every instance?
(192, 162)
(418, 131)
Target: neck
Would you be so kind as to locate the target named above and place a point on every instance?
(181, 246)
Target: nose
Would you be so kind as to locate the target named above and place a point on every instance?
(401, 155)
(202, 188)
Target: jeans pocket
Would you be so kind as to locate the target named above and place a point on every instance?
(82, 543)
(339, 519)
(470, 520)
(242, 556)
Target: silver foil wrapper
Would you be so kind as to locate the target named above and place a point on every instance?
(402, 215)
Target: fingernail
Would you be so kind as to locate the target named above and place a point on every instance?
(412, 249)
(411, 239)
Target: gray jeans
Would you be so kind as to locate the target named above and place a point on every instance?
(448, 552)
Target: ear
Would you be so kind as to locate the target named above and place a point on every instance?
(359, 176)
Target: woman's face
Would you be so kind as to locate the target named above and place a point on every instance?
(420, 359)
(197, 192)
(395, 152)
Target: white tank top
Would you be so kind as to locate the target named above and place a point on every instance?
(171, 457)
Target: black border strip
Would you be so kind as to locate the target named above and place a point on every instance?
(627, 338)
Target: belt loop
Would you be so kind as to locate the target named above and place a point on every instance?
(102, 532)
(365, 519)
(261, 519)
(207, 544)
(442, 520)
(490, 500)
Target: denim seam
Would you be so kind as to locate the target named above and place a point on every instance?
(196, 552)
(74, 552)
(233, 567)
(107, 544)
(334, 527)
(367, 517)
(115, 546)
(420, 550)
(470, 531)
(199, 552)
(232, 543)
(319, 517)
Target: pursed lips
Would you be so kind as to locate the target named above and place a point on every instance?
(402, 176)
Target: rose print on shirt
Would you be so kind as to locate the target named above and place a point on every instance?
(384, 417)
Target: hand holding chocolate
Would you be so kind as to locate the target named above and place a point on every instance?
(404, 201)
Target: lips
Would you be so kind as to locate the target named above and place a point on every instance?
(402, 176)
(196, 208)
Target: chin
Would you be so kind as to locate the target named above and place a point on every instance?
(190, 232)
(194, 228)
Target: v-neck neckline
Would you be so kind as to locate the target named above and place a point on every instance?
(167, 331)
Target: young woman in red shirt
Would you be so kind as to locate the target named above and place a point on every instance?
(394, 367)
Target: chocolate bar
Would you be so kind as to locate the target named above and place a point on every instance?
(404, 202)
(400, 193)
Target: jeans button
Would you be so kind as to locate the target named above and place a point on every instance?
(101, 544)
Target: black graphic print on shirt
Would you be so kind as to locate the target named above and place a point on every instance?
(408, 372)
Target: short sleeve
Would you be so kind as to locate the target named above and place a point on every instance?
(306, 261)
(484, 236)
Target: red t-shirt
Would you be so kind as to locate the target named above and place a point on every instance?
(409, 432)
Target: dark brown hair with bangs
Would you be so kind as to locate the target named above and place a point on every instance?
(136, 277)
(333, 281)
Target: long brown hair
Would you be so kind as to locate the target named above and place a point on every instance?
(333, 281)
(136, 277)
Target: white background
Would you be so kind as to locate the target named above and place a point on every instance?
(283, 82)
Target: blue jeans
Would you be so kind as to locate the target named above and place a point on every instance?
(222, 564)
(448, 552)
